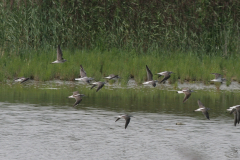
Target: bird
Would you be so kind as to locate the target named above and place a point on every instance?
(99, 84)
(21, 79)
(187, 93)
(203, 109)
(126, 117)
(77, 96)
(83, 76)
(112, 76)
(218, 78)
(235, 110)
(166, 74)
(150, 78)
(75, 93)
(59, 56)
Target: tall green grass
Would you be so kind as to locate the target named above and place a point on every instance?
(98, 64)
(209, 27)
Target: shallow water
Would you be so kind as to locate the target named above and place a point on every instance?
(39, 122)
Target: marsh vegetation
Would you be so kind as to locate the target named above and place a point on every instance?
(189, 38)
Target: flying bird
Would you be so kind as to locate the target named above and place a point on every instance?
(21, 79)
(126, 117)
(150, 78)
(166, 74)
(218, 78)
(235, 110)
(83, 76)
(77, 96)
(99, 84)
(112, 76)
(59, 56)
(203, 109)
(187, 93)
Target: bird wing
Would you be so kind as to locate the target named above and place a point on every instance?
(78, 100)
(93, 86)
(100, 86)
(59, 53)
(127, 122)
(113, 76)
(82, 72)
(205, 112)
(165, 78)
(235, 117)
(24, 80)
(117, 119)
(200, 104)
(149, 74)
(187, 95)
(233, 110)
(238, 114)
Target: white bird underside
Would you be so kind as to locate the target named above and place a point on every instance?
(148, 82)
(199, 109)
(162, 73)
(179, 91)
(216, 80)
(59, 61)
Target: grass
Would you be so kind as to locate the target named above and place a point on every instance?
(98, 64)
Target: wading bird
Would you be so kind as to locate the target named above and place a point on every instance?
(59, 56)
(218, 78)
(112, 76)
(21, 79)
(150, 78)
(203, 109)
(235, 110)
(77, 96)
(99, 84)
(166, 74)
(126, 117)
(83, 76)
(187, 93)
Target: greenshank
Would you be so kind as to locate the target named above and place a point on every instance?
(150, 78)
(203, 109)
(126, 117)
(59, 56)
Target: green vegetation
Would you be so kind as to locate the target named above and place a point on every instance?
(189, 38)
(97, 64)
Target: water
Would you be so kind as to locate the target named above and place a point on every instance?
(39, 122)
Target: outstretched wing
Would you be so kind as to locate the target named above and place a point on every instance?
(149, 74)
(82, 72)
(24, 80)
(187, 95)
(93, 86)
(165, 78)
(100, 86)
(117, 119)
(114, 76)
(78, 100)
(127, 122)
(200, 104)
(205, 113)
(59, 53)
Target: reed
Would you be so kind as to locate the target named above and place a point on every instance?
(209, 27)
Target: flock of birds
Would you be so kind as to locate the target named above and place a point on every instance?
(167, 74)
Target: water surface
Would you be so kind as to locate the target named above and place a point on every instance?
(39, 122)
